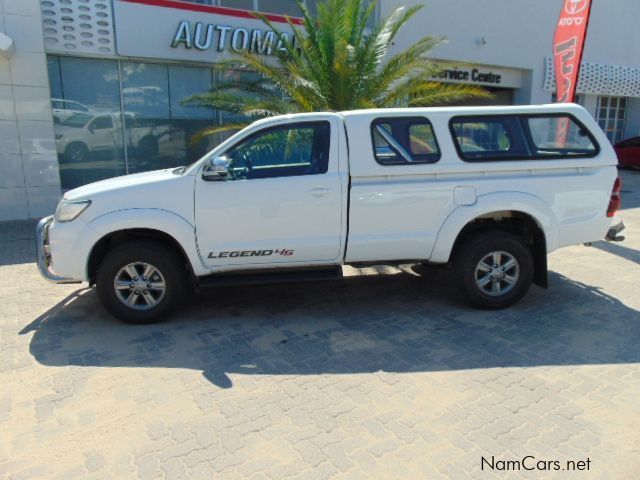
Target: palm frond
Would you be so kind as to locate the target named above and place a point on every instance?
(340, 62)
(209, 131)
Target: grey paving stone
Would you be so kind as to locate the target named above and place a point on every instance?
(374, 377)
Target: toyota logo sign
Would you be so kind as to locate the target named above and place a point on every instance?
(573, 7)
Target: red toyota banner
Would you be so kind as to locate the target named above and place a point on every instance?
(568, 46)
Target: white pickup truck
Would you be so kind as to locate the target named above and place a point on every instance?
(490, 191)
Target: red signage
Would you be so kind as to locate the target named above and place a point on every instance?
(568, 46)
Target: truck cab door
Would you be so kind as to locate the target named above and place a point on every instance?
(281, 202)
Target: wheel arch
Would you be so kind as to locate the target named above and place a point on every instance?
(119, 227)
(110, 241)
(527, 216)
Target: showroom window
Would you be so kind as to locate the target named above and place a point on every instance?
(281, 7)
(162, 128)
(112, 118)
(85, 99)
(612, 115)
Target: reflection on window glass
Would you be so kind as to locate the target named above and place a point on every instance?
(86, 114)
(185, 82)
(101, 122)
(160, 130)
(559, 135)
(422, 140)
(242, 4)
(145, 88)
(404, 140)
(487, 136)
(282, 7)
(229, 118)
(312, 6)
(92, 83)
(55, 80)
(383, 151)
(282, 152)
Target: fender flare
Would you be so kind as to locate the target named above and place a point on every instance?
(494, 202)
(160, 220)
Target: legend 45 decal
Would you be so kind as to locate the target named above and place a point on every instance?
(283, 252)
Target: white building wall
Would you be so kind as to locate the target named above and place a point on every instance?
(519, 34)
(29, 179)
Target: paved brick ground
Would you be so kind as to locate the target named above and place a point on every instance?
(373, 377)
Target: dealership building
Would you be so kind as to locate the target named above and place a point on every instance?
(92, 89)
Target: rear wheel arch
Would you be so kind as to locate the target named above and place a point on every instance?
(518, 223)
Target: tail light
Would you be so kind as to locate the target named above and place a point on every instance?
(616, 200)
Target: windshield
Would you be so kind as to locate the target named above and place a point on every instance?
(77, 120)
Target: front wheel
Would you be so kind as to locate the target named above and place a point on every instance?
(493, 269)
(140, 282)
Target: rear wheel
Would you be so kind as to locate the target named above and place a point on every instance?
(140, 282)
(493, 269)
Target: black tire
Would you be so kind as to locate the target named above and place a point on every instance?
(469, 273)
(77, 152)
(170, 273)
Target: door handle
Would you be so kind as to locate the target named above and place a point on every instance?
(319, 192)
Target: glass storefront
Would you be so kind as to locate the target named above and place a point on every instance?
(86, 114)
(282, 7)
(118, 117)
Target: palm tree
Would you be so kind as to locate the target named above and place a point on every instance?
(339, 63)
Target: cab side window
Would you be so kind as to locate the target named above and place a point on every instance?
(101, 123)
(489, 138)
(404, 140)
(289, 150)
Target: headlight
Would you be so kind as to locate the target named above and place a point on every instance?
(68, 211)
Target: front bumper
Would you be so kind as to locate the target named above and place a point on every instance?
(617, 226)
(43, 253)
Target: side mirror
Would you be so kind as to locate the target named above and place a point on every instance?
(216, 169)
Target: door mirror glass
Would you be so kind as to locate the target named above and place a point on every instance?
(216, 169)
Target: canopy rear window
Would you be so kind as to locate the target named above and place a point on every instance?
(521, 137)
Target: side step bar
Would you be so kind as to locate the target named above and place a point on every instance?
(270, 277)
